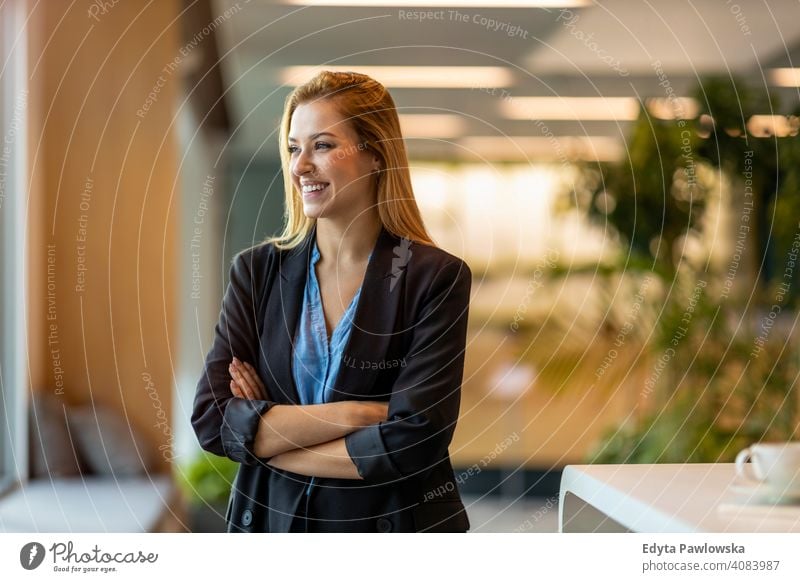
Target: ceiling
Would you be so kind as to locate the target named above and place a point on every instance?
(607, 49)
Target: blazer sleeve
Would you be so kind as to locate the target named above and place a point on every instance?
(226, 425)
(425, 399)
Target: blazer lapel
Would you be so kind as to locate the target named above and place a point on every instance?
(373, 329)
(373, 322)
(283, 311)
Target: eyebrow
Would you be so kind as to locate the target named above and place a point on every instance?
(315, 136)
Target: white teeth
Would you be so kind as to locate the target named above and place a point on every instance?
(313, 187)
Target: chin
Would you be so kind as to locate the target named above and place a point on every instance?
(319, 208)
(312, 212)
(315, 211)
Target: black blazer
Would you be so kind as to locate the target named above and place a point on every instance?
(406, 346)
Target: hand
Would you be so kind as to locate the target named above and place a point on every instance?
(246, 383)
(368, 413)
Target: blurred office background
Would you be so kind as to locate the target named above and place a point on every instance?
(622, 178)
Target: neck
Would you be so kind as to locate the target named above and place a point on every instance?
(348, 243)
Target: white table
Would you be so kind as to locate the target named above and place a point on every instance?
(668, 498)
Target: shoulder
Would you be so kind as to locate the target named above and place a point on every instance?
(260, 252)
(253, 262)
(431, 260)
(431, 272)
(435, 281)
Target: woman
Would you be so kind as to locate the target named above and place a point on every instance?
(335, 372)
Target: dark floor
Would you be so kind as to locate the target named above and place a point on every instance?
(506, 515)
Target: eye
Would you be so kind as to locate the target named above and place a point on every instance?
(291, 149)
(322, 144)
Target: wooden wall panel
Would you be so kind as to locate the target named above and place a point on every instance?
(104, 206)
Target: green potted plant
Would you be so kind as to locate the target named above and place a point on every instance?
(729, 379)
(711, 390)
(206, 485)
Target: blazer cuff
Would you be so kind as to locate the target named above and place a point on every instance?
(239, 427)
(368, 453)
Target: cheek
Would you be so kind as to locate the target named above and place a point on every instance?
(350, 168)
(337, 162)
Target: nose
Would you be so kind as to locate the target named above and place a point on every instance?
(302, 164)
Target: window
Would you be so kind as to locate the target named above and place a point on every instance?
(13, 341)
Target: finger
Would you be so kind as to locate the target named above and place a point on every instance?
(243, 383)
(253, 373)
(236, 374)
(246, 389)
(248, 393)
(251, 378)
(262, 390)
(235, 390)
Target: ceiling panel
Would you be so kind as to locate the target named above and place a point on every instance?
(607, 49)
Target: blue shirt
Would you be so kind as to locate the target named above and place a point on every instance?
(316, 362)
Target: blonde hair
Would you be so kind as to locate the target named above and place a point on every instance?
(370, 109)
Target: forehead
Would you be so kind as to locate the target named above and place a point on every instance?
(315, 117)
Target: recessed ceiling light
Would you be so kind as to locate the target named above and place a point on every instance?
(571, 108)
(772, 125)
(675, 108)
(422, 77)
(434, 125)
(552, 149)
(785, 77)
(447, 3)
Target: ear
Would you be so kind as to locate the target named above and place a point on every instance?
(376, 163)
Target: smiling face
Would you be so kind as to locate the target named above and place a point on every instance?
(330, 167)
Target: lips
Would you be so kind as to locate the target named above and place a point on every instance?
(313, 189)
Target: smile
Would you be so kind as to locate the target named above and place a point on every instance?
(313, 189)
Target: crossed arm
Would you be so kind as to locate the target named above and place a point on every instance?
(350, 439)
(309, 439)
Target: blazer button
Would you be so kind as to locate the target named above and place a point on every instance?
(247, 517)
(384, 525)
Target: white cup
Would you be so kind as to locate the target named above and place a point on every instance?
(776, 465)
